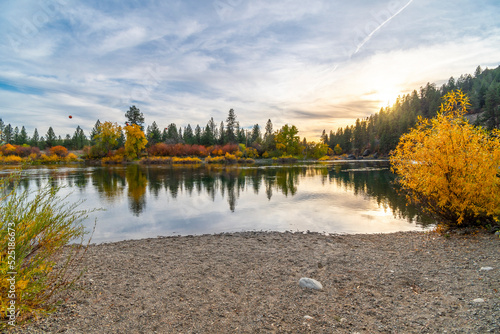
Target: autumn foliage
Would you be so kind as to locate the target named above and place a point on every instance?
(60, 151)
(451, 167)
(35, 261)
(184, 150)
(136, 141)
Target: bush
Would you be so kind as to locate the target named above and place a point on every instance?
(35, 226)
(156, 160)
(12, 159)
(23, 151)
(8, 149)
(49, 159)
(215, 160)
(158, 150)
(450, 167)
(58, 150)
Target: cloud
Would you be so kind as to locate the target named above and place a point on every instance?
(185, 62)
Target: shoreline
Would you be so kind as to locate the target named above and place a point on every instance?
(247, 282)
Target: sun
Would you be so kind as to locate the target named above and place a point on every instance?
(386, 96)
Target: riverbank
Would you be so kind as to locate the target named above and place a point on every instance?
(410, 282)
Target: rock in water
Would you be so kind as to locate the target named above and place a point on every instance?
(310, 283)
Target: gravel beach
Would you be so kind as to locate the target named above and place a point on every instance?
(409, 282)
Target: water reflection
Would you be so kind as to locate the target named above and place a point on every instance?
(141, 200)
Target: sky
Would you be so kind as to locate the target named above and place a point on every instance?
(317, 64)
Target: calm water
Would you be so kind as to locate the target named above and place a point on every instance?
(150, 201)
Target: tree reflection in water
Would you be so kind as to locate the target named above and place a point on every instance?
(367, 179)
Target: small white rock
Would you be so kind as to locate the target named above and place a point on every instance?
(486, 268)
(308, 317)
(478, 300)
(310, 283)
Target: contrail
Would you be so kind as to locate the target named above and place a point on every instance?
(380, 26)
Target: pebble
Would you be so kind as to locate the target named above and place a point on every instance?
(308, 317)
(310, 283)
(486, 268)
(478, 300)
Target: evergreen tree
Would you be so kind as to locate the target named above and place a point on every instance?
(35, 139)
(79, 139)
(491, 115)
(255, 136)
(8, 136)
(164, 135)
(213, 127)
(188, 135)
(324, 137)
(209, 135)
(153, 134)
(50, 138)
(222, 134)
(242, 137)
(23, 136)
(135, 116)
(172, 135)
(197, 134)
(2, 127)
(230, 127)
(95, 132)
(16, 136)
(67, 142)
(269, 137)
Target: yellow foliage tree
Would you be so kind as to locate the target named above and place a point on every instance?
(136, 141)
(451, 167)
(107, 136)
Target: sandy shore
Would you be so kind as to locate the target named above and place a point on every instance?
(408, 282)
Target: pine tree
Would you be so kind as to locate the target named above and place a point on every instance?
(197, 134)
(135, 116)
(230, 127)
(35, 139)
(172, 135)
(255, 137)
(269, 137)
(8, 134)
(222, 136)
(79, 139)
(153, 134)
(16, 135)
(188, 135)
(23, 136)
(95, 132)
(2, 127)
(50, 138)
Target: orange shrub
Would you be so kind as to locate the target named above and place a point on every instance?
(13, 159)
(58, 150)
(8, 149)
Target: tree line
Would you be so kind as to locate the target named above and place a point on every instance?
(107, 136)
(378, 133)
(381, 132)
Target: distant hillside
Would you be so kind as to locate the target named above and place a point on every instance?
(380, 132)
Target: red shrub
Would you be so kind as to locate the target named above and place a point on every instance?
(158, 150)
(23, 151)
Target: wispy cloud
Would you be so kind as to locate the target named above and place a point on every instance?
(320, 64)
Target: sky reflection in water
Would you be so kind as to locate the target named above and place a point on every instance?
(141, 201)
